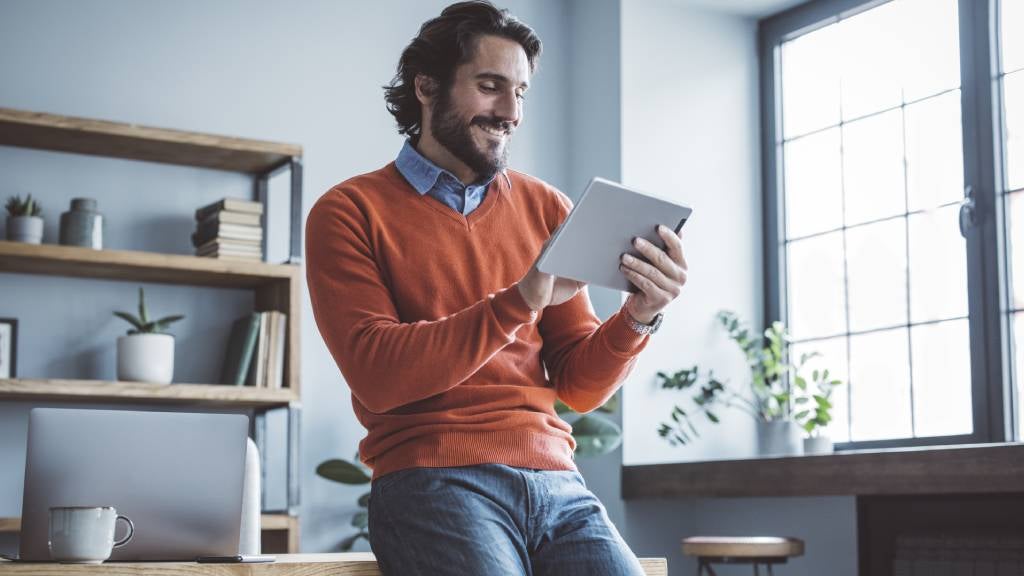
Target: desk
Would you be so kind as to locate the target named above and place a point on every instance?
(349, 564)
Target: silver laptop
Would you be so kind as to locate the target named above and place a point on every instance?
(178, 476)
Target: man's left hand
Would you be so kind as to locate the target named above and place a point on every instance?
(659, 282)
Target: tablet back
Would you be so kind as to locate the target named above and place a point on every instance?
(601, 227)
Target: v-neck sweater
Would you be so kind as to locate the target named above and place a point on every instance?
(446, 363)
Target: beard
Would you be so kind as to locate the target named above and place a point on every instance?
(455, 134)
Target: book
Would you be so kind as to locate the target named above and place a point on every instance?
(206, 232)
(228, 217)
(277, 375)
(229, 204)
(276, 457)
(232, 257)
(229, 246)
(268, 360)
(257, 365)
(241, 345)
(257, 244)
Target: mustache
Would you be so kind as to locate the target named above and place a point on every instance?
(492, 122)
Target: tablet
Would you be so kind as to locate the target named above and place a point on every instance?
(590, 242)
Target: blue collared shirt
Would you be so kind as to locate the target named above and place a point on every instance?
(428, 178)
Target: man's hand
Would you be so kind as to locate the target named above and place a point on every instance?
(541, 290)
(659, 282)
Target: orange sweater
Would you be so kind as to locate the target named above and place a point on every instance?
(419, 307)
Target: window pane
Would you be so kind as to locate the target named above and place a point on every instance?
(815, 287)
(876, 260)
(942, 379)
(1015, 204)
(938, 266)
(832, 358)
(1012, 15)
(813, 184)
(873, 168)
(880, 385)
(810, 82)
(935, 165)
(1018, 338)
(1013, 102)
(932, 47)
(871, 47)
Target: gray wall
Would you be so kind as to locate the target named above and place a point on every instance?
(648, 91)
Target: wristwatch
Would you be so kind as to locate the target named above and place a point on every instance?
(645, 329)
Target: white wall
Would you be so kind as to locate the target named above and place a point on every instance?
(690, 130)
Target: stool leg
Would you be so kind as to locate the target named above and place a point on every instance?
(757, 569)
(770, 573)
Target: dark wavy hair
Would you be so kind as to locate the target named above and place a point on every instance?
(443, 43)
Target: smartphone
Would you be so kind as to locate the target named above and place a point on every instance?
(237, 558)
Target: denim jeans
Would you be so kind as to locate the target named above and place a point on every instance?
(493, 519)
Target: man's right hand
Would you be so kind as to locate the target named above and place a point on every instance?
(541, 290)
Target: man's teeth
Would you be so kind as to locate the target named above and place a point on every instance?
(494, 131)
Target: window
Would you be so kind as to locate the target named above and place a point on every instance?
(865, 163)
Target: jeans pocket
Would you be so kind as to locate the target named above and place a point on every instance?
(381, 484)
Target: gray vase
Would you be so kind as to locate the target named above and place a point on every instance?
(28, 229)
(778, 438)
(82, 225)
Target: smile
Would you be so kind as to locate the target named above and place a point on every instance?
(493, 131)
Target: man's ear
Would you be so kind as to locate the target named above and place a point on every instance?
(426, 88)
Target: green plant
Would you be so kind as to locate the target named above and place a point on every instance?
(771, 398)
(355, 473)
(142, 324)
(27, 207)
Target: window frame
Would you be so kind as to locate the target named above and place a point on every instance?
(993, 397)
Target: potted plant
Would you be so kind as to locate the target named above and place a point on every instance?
(814, 410)
(145, 353)
(23, 221)
(771, 399)
(594, 435)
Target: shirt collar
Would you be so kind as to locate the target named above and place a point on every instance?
(422, 174)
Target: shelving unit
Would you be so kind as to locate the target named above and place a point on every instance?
(275, 286)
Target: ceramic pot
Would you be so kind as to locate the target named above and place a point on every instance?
(778, 438)
(818, 445)
(146, 358)
(82, 225)
(28, 229)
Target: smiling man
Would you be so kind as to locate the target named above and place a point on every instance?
(455, 347)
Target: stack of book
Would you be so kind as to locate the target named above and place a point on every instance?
(229, 228)
(255, 353)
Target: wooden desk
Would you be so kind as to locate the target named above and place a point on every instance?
(350, 564)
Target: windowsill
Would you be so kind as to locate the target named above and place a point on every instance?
(962, 469)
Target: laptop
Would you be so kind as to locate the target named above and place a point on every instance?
(601, 227)
(177, 475)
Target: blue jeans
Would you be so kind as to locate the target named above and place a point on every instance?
(493, 519)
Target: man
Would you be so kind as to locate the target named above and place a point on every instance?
(454, 345)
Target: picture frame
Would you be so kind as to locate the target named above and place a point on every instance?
(8, 347)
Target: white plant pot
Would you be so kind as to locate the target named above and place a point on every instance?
(778, 438)
(28, 229)
(146, 358)
(818, 445)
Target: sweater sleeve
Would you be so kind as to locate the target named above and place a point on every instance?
(586, 360)
(388, 363)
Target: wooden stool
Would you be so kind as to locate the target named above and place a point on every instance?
(741, 550)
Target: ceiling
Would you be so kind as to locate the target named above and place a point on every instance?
(748, 8)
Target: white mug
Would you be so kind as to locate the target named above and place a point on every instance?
(85, 534)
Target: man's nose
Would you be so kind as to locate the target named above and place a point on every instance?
(508, 109)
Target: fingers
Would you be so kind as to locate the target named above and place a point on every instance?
(660, 259)
(673, 245)
(656, 276)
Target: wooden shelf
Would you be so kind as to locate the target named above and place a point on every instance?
(119, 140)
(8, 525)
(965, 469)
(100, 391)
(76, 261)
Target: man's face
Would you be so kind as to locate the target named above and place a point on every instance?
(475, 118)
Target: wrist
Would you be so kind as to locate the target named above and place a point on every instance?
(526, 298)
(640, 317)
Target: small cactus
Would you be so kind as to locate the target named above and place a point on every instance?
(141, 324)
(27, 207)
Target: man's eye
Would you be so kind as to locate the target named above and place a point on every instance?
(488, 88)
(521, 96)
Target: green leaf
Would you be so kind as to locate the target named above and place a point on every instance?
(130, 319)
(142, 306)
(801, 414)
(364, 500)
(359, 519)
(561, 407)
(347, 543)
(611, 406)
(163, 323)
(341, 471)
(711, 416)
(595, 435)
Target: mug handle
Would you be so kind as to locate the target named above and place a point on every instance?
(131, 531)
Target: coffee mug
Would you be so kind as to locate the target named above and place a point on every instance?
(85, 534)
